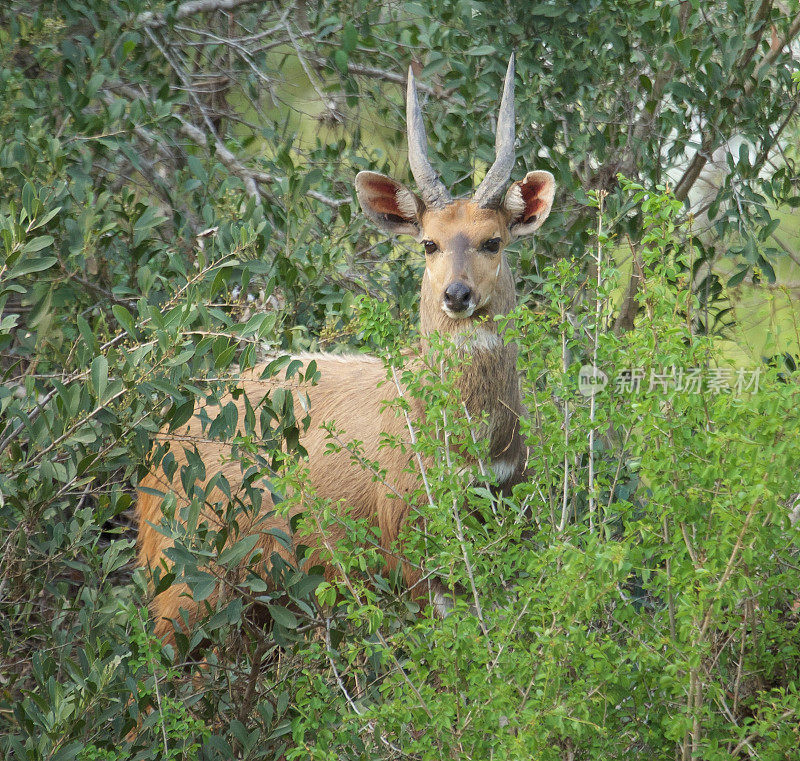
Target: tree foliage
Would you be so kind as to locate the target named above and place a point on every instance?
(176, 203)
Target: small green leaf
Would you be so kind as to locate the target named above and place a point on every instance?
(282, 616)
(349, 37)
(29, 200)
(100, 376)
(41, 221)
(37, 244)
(86, 333)
(340, 61)
(737, 277)
(181, 414)
(69, 752)
(32, 265)
(233, 555)
(551, 11)
(483, 50)
(202, 584)
(181, 359)
(125, 319)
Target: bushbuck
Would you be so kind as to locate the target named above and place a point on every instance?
(466, 284)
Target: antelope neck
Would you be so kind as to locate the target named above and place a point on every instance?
(487, 382)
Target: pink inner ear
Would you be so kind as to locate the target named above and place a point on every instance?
(383, 197)
(533, 206)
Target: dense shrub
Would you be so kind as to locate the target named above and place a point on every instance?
(637, 595)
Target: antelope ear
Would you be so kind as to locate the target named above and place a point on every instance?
(528, 202)
(390, 205)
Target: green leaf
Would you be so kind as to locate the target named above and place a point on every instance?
(86, 333)
(737, 277)
(282, 616)
(29, 200)
(181, 359)
(125, 319)
(253, 325)
(68, 752)
(545, 9)
(181, 414)
(37, 244)
(340, 59)
(41, 221)
(8, 323)
(483, 50)
(233, 555)
(349, 37)
(32, 265)
(306, 586)
(99, 376)
(201, 583)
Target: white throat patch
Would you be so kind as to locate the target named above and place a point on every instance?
(478, 339)
(503, 470)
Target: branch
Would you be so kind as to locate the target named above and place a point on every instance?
(384, 75)
(153, 19)
(230, 161)
(700, 159)
(393, 76)
(761, 159)
(630, 306)
(251, 178)
(760, 23)
(98, 290)
(329, 103)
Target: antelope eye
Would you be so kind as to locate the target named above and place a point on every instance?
(491, 246)
(430, 247)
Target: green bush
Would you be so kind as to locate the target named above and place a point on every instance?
(645, 607)
(637, 595)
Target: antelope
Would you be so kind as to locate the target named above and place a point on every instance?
(466, 284)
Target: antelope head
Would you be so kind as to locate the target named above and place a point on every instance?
(466, 273)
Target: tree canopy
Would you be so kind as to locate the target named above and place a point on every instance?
(177, 203)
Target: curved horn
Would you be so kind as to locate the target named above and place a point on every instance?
(431, 188)
(490, 191)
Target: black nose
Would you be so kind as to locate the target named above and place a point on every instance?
(457, 297)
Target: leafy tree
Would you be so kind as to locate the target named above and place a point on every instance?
(175, 202)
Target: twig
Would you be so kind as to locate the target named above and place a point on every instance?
(423, 470)
(627, 313)
(601, 194)
(227, 158)
(463, 544)
(191, 8)
(250, 177)
(564, 367)
(328, 651)
(310, 74)
(83, 374)
(157, 691)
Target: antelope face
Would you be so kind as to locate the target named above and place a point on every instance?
(463, 256)
(463, 239)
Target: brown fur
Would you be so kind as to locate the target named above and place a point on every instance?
(352, 390)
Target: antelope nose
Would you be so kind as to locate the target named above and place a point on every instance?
(457, 297)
